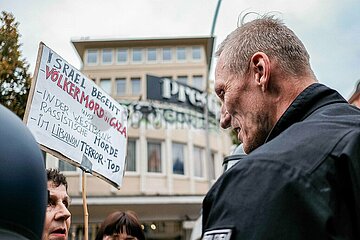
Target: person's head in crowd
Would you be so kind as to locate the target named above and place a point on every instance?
(58, 216)
(22, 180)
(121, 226)
(262, 67)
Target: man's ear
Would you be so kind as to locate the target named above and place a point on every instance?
(260, 64)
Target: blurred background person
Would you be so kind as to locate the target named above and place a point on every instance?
(355, 97)
(120, 226)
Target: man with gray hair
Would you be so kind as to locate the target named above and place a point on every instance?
(301, 177)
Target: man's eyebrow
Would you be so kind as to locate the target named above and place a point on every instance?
(66, 198)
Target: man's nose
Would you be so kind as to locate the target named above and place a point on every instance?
(225, 118)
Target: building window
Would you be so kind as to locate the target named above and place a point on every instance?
(120, 86)
(182, 79)
(122, 55)
(105, 84)
(168, 77)
(135, 86)
(92, 55)
(107, 56)
(198, 82)
(178, 158)
(154, 157)
(137, 55)
(166, 54)
(131, 155)
(66, 167)
(196, 53)
(181, 53)
(151, 54)
(198, 162)
(212, 170)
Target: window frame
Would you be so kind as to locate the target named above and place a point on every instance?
(110, 82)
(125, 86)
(133, 51)
(180, 77)
(126, 54)
(213, 162)
(177, 54)
(66, 164)
(202, 162)
(161, 167)
(163, 52)
(135, 161)
(111, 54)
(183, 145)
(200, 53)
(96, 51)
(202, 88)
(132, 79)
(147, 55)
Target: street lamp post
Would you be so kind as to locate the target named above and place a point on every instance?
(210, 164)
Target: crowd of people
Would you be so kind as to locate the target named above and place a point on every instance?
(299, 179)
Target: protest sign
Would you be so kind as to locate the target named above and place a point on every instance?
(75, 120)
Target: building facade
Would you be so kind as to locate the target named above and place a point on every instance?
(175, 147)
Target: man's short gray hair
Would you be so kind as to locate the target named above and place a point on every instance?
(269, 35)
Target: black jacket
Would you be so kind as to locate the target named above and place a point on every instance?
(303, 183)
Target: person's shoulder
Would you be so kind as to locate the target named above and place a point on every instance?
(341, 113)
(348, 145)
(245, 174)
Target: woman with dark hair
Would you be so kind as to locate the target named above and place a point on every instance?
(121, 226)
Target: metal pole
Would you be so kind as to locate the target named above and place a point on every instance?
(215, 18)
(211, 166)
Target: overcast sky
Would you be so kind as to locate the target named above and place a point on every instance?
(330, 29)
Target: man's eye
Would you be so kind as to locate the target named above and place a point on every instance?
(66, 203)
(51, 202)
(221, 94)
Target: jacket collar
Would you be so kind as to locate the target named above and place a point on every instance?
(312, 98)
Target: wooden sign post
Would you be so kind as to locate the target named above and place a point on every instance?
(86, 213)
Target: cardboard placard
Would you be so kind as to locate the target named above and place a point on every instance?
(75, 120)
